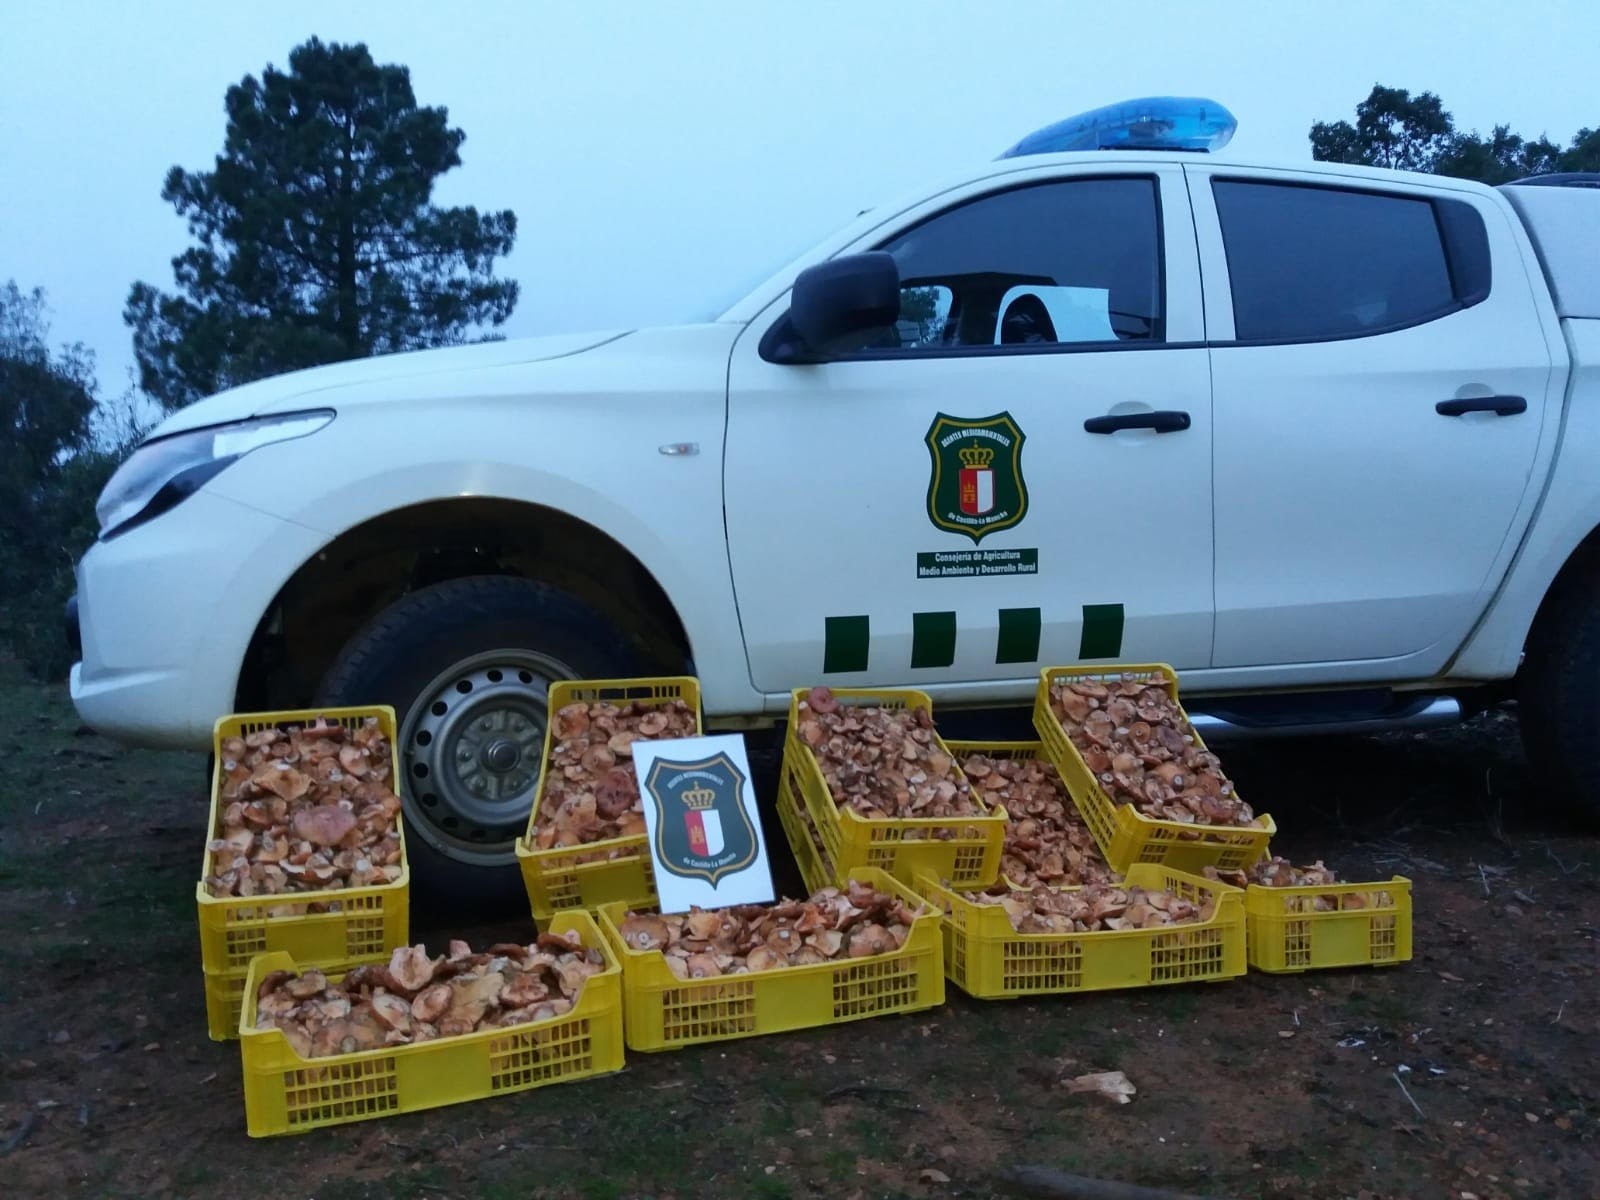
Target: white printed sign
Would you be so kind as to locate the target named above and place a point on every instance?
(701, 820)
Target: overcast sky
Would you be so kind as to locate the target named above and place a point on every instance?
(656, 155)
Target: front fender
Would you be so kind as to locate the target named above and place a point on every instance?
(587, 443)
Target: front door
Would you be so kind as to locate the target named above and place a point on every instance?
(1003, 480)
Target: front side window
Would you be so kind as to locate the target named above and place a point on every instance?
(1069, 263)
(1311, 263)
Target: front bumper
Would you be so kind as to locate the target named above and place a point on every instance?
(166, 611)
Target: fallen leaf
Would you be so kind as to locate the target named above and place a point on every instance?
(802, 1133)
(1112, 1085)
(1531, 1118)
(1449, 978)
(1563, 1123)
(929, 1175)
(1286, 1033)
(830, 1059)
(152, 1046)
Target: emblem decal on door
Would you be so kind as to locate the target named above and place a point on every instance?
(976, 487)
(702, 830)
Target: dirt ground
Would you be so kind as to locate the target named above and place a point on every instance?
(1468, 1072)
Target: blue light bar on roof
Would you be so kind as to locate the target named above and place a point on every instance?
(1151, 123)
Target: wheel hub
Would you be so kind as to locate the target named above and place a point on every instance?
(501, 756)
(472, 742)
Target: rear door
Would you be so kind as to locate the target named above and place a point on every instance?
(934, 508)
(1380, 382)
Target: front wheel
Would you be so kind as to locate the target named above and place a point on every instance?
(467, 665)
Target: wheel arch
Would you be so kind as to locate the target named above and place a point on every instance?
(1544, 570)
(370, 565)
(1581, 562)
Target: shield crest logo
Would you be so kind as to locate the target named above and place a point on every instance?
(702, 828)
(976, 487)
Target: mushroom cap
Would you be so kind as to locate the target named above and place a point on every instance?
(307, 984)
(281, 779)
(764, 958)
(644, 931)
(354, 760)
(524, 988)
(411, 968)
(431, 1003)
(703, 924)
(323, 825)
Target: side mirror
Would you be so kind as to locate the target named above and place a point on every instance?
(832, 300)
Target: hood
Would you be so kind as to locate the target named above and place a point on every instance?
(320, 386)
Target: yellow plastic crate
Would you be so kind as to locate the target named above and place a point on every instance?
(987, 958)
(815, 869)
(617, 869)
(368, 922)
(665, 1012)
(284, 1093)
(1287, 934)
(1125, 835)
(965, 850)
(224, 999)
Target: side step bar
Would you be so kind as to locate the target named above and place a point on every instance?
(1224, 721)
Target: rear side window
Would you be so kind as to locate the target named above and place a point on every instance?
(1312, 263)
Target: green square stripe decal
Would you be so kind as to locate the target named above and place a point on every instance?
(1019, 636)
(844, 645)
(933, 639)
(847, 640)
(1102, 631)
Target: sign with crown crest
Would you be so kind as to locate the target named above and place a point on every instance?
(977, 486)
(700, 816)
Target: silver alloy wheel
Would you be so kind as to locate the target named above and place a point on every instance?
(471, 748)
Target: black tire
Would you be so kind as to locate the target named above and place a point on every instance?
(1558, 693)
(449, 658)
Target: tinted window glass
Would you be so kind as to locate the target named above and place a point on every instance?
(1051, 264)
(1311, 262)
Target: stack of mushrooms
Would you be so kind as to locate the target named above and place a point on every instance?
(307, 809)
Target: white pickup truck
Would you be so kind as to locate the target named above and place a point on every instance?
(1324, 438)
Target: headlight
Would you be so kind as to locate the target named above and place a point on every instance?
(160, 474)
